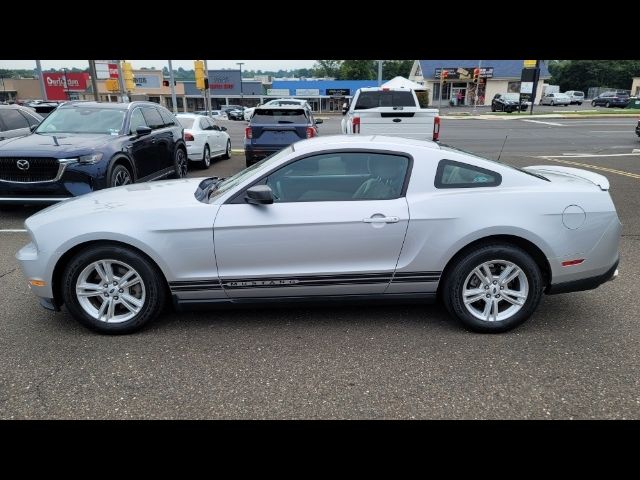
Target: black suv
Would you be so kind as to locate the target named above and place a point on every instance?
(85, 146)
(611, 99)
(507, 102)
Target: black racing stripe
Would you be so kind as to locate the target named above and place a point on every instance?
(195, 289)
(328, 278)
(195, 282)
(306, 283)
(416, 279)
(416, 274)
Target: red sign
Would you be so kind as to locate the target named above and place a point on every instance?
(58, 84)
(221, 86)
(113, 70)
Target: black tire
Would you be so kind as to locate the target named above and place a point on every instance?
(227, 153)
(552, 104)
(493, 109)
(120, 175)
(180, 163)
(579, 103)
(593, 103)
(454, 284)
(607, 105)
(249, 160)
(152, 280)
(206, 158)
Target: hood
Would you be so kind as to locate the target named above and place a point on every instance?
(556, 173)
(59, 146)
(138, 200)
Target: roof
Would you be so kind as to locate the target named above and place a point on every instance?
(501, 68)
(362, 141)
(280, 107)
(109, 105)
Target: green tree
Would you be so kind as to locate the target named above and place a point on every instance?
(584, 74)
(395, 68)
(327, 68)
(358, 70)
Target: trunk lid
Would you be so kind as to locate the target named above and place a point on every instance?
(559, 174)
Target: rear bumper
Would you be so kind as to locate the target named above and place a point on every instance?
(584, 283)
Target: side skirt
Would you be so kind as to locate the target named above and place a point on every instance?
(329, 300)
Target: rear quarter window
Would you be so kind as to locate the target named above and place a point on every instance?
(452, 174)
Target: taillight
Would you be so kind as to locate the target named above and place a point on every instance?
(188, 137)
(571, 263)
(248, 133)
(355, 124)
(436, 129)
(311, 132)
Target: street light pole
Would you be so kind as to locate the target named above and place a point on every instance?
(66, 83)
(173, 88)
(43, 90)
(379, 72)
(207, 92)
(241, 94)
(475, 100)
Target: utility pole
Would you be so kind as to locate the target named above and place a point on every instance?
(241, 94)
(94, 80)
(379, 72)
(173, 88)
(207, 92)
(43, 90)
(123, 92)
(440, 93)
(66, 83)
(536, 75)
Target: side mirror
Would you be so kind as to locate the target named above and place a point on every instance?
(224, 129)
(319, 121)
(142, 130)
(259, 195)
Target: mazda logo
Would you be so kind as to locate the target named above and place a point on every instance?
(23, 164)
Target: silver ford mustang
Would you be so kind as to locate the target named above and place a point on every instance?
(334, 218)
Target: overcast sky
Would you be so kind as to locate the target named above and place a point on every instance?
(274, 65)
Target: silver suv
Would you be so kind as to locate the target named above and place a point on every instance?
(16, 121)
(575, 96)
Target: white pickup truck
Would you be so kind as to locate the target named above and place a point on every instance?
(390, 111)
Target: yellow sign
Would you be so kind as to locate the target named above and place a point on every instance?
(530, 63)
(127, 73)
(112, 85)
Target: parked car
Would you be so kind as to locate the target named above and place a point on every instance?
(638, 128)
(575, 96)
(17, 121)
(235, 114)
(507, 102)
(275, 127)
(611, 99)
(554, 99)
(86, 146)
(216, 114)
(339, 218)
(248, 112)
(204, 139)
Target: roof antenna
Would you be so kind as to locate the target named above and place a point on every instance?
(505, 141)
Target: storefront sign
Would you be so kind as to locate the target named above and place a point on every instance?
(224, 82)
(278, 92)
(464, 73)
(105, 70)
(146, 81)
(57, 85)
(307, 92)
(338, 92)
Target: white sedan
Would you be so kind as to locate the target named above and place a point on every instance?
(556, 99)
(204, 139)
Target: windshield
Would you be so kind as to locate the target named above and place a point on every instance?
(186, 122)
(83, 120)
(456, 149)
(241, 176)
(279, 115)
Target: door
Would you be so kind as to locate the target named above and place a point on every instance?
(213, 135)
(162, 137)
(143, 149)
(336, 227)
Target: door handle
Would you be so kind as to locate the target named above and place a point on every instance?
(381, 220)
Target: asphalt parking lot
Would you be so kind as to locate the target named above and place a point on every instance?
(576, 358)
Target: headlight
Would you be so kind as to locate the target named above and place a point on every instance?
(84, 159)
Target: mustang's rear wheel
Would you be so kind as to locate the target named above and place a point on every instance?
(493, 288)
(112, 289)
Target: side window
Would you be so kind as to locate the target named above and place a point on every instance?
(167, 117)
(152, 117)
(204, 124)
(13, 119)
(340, 177)
(137, 120)
(451, 174)
(31, 120)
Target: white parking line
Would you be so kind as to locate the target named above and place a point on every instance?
(546, 123)
(608, 131)
(13, 230)
(585, 155)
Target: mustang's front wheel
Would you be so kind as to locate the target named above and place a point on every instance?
(493, 288)
(112, 289)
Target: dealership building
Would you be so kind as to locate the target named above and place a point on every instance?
(496, 76)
